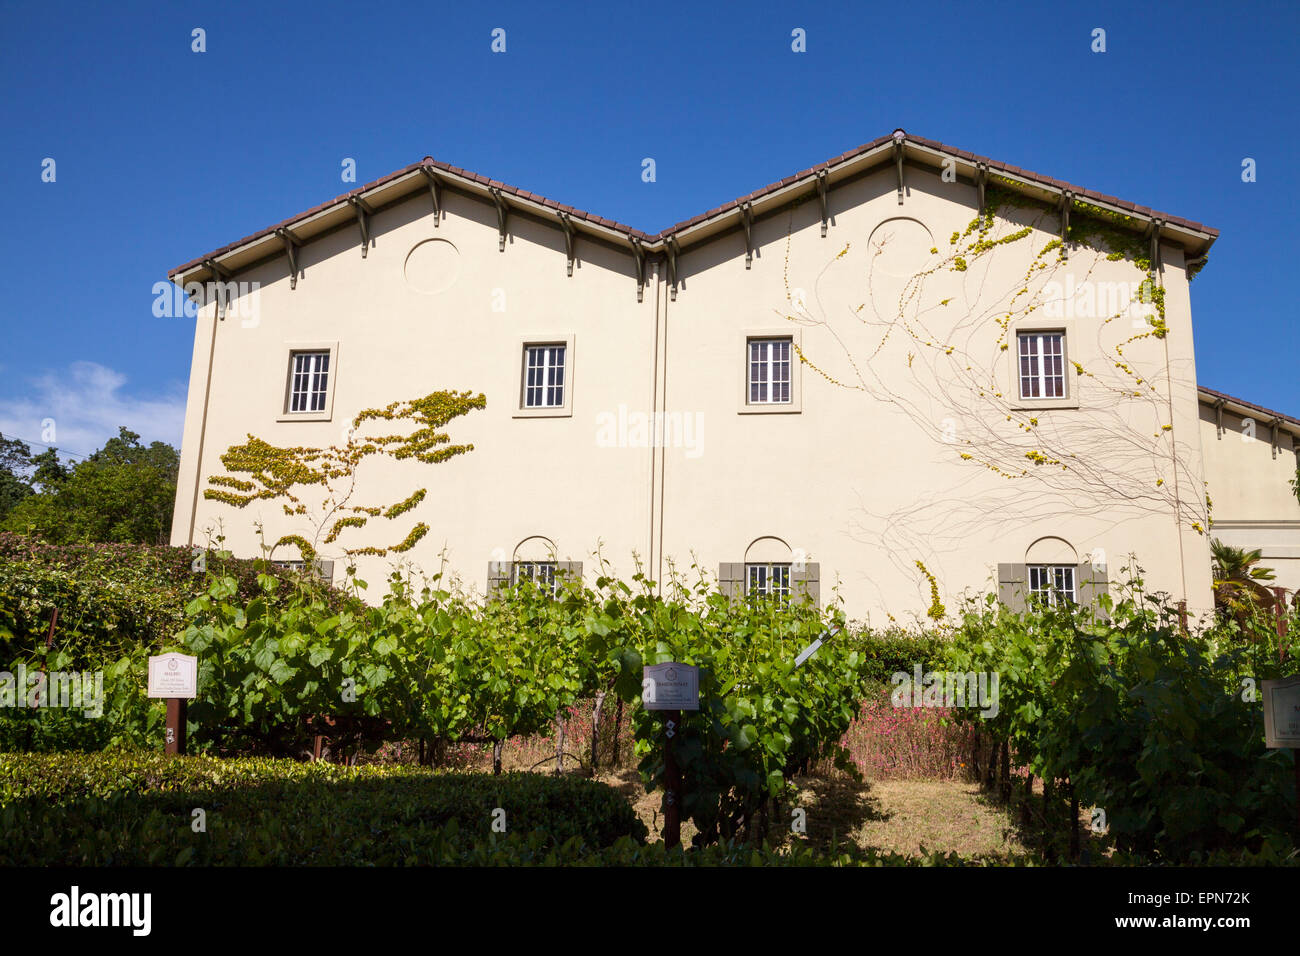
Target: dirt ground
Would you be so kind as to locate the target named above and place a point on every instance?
(900, 816)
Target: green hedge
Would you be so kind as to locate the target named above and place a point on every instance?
(110, 597)
(889, 652)
(136, 809)
(131, 809)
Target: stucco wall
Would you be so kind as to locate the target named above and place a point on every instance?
(1254, 506)
(865, 479)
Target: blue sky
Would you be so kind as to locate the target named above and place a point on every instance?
(163, 154)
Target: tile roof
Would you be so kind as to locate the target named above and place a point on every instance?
(1245, 404)
(429, 162)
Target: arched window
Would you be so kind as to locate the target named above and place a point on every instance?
(1051, 565)
(535, 559)
(1052, 572)
(771, 567)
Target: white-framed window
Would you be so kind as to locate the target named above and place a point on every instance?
(1052, 583)
(541, 573)
(1042, 364)
(321, 569)
(309, 377)
(544, 384)
(769, 371)
(772, 580)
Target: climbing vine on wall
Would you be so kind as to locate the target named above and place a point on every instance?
(259, 471)
(934, 342)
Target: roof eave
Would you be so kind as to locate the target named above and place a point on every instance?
(1194, 238)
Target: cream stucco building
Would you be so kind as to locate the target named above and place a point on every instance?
(848, 384)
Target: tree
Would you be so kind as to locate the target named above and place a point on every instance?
(15, 460)
(124, 492)
(1237, 580)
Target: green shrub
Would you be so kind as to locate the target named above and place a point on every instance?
(136, 809)
(1149, 723)
(110, 597)
(886, 653)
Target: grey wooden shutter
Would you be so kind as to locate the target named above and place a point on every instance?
(498, 576)
(1090, 583)
(1013, 582)
(324, 570)
(566, 571)
(806, 583)
(731, 579)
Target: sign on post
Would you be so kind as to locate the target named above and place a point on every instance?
(1282, 722)
(174, 677)
(670, 687)
(1282, 712)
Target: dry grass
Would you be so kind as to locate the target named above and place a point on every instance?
(906, 816)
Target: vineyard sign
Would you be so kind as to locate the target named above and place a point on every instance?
(1282, 712)
(174, 675)
(175, 678)
(670, 687)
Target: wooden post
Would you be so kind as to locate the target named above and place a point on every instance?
(1182, 617)
(175, 742)
(1279, 608)
(618, 726)
(1074, 823)
(672, 781)
(1006, 771)
(1295, 756)
(559, 741)
(595, 730)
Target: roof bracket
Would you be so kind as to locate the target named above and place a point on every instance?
(291, 247)
(639, 252)
(566, 223)
(821, 196)
(219, 287)
(747, 220)
(1275, 424)
(1067, 200)
(435, 190)
(364, 212)
(1218, 415)
(672, 250)
(898, 162)
(503, 215)
(981, 180)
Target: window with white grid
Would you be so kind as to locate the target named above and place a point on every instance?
(308, 381)
(772, 580)
(544, 376)
(1052, 583)
(769, 372)
(1042, 364)
(541, 573)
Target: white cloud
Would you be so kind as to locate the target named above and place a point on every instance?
(87, 403)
